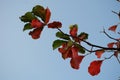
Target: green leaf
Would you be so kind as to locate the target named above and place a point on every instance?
(57, 43)
(39, 11)
(62, 35)
(69, 43)
(27, 27)
(72, 26)
(28, 17)
(81, 49)
(83, 35)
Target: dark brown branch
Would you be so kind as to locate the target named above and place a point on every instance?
(105, 48)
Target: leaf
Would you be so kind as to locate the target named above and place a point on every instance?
(35, 23)
(57, 43)
(35, 34)
(75, 62)
(94, 67)
(83, 36)
(39, 11)
(73, 30)
(65, 51)
(47, 15)
(27, 26)
(69, 43)
(81, 49)
(62, 35)
(110, 45)
(99, 53)
(28, 17)
(76, 59)
(55, 24)
(112, 28)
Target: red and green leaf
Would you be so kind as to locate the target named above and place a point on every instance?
(81, 49)
(65, 51)
(73, 30)
(57, 43)
(76, 59)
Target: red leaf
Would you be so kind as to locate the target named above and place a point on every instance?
(76, 59)
(35, 33)
(65, 51)
(35, 23)
(55, 24)
(94, 68)
(113, 28)
(73, 31)
(99, 53)
(75, 62)
(110, 45)
(47, 15)
(75, 52)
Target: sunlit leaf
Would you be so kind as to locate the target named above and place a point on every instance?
(99, 53)
(94, 67)
(27, 26)
(112, 28)
(73, 30)
(62, 35)
(28, 17)
(57, 43)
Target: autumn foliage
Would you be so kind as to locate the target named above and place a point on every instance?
(70, 45)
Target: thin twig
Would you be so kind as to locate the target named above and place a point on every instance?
(117, 13)
(109, 35)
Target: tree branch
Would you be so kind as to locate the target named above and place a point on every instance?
(93, 45)
(109, 35)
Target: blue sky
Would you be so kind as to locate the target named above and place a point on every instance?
(22, 58)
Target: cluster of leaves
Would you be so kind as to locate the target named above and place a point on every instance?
(69, 45)
(37, 19)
